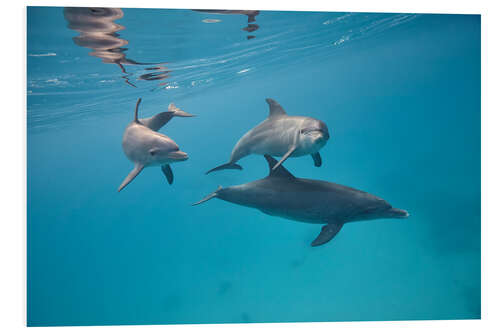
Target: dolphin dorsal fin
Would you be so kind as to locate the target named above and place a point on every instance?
(274, 108)
(279, 171)
(136, 119)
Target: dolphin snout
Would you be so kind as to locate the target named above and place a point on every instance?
(178, 155)
(325, 133)
(323, 136)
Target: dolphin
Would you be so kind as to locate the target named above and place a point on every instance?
(280, 135)
(306, 200)
(144, 146)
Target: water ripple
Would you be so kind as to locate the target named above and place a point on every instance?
(281, 39)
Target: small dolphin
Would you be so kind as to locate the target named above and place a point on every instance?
(280, 135)
(144, 146)
(307, 200)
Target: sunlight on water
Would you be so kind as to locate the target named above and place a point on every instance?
(221, 53)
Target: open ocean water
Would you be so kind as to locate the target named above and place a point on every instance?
(400, 94)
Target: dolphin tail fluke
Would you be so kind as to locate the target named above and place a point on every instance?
(397, 213)
(158, 121)
(327, 233)
(225, 166)
(176, 112)
(208, 197)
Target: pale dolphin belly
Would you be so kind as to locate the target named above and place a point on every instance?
(134, 143)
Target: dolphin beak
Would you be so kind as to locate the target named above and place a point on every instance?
(178, 156)
(324, 136)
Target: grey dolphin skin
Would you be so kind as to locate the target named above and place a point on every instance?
(144, 146)
(306, 200)
(280, 135)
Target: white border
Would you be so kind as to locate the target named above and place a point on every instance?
(13, 159)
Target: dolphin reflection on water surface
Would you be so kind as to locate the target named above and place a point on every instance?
(249, 13)
(99, 32)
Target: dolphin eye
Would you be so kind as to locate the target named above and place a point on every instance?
(152, 152)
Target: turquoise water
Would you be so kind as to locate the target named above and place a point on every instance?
(400, 94)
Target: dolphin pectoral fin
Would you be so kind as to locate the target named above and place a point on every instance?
(327, 233)
(138, 168)
(289, 152)
(317, 159)
(208, 197)
(283, 159)
(225, 166)
(167, 171)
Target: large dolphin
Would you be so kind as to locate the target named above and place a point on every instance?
(307, 200)
(144, 146)
(281, 135)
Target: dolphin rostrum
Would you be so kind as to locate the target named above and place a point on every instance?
(280, 135)
(306, 200)
(144, 146)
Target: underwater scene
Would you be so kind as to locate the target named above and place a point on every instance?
(195, 166)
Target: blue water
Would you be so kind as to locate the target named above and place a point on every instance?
(400, 94)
